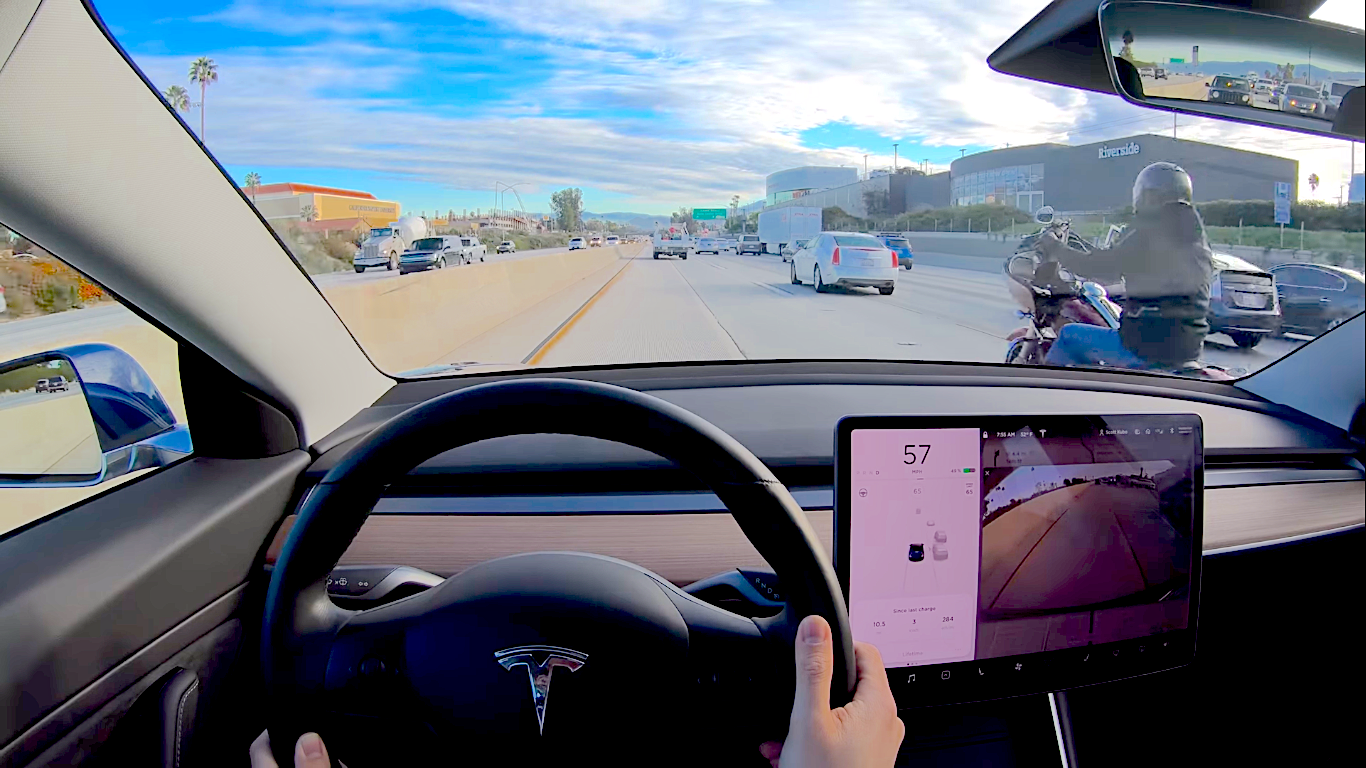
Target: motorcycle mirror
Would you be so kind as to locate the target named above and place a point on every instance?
(1044, 215)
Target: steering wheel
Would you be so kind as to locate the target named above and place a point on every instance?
(465, 668)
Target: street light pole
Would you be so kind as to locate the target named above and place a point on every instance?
(865, 167)
(894, 146)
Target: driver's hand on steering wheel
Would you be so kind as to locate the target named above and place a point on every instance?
(309, 752)
(865, 733)
(1048, 242)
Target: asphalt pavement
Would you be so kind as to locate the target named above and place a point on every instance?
(949, 307)
(728, 307)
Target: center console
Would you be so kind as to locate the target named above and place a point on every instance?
(996, 556)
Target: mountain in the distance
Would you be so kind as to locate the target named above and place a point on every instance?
(625, 217)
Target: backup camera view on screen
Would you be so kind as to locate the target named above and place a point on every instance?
(975, 543)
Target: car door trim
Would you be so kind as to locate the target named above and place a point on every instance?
(85, 702)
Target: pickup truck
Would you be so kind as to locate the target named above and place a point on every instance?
(672, 244)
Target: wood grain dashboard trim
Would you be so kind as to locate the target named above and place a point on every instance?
(686, 547)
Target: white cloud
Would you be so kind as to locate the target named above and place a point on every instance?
(661, 103)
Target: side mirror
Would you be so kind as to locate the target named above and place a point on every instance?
(1237, 65)
(81, 415)
(1044, 215)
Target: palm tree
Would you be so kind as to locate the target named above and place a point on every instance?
(253, 181)
(203, 71)
(177, 97)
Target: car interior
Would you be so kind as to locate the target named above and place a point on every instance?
(345, 551)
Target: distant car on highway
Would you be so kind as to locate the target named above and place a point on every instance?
(791, 248)
(1302, 100)
(749, 244)
(1227, 89)
(507, 246)
(51, 384)
(846, 260)
(431, 253)
(1159, 73)
(1316, 298)
(1243, 302)
(708, 245)
(898, 244)
(595, 242)
(1331, 93)
(1145, 71)
(575, 243)
(613, 240)
(1265, 85)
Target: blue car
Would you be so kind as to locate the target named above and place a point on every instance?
(899, 245)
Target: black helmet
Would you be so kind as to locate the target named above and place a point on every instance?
(1159, 184)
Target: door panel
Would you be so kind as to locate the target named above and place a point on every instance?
(106, 579)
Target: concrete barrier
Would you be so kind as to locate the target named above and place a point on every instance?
(417, 320)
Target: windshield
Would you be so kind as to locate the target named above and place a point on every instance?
(1303, 91)
(427, 244)
(539, 128)
(860, 241)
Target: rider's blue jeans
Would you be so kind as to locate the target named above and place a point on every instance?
(1079, 344)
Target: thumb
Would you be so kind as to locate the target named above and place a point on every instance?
(309, 752)
(815, 665)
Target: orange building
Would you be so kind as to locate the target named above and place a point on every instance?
(280, 202)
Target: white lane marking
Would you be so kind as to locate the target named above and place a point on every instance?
(780, 291)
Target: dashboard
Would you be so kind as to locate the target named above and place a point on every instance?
(1271, 479)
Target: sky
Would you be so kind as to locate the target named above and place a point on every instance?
(646, 106)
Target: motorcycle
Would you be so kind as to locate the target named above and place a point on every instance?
(1051, 297)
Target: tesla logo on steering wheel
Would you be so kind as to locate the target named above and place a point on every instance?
(540, 662)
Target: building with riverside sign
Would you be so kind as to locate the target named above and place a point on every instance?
(1100, 176)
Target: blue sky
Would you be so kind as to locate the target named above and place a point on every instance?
(646, 106)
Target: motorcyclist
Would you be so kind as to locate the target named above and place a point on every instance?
(1167, 267)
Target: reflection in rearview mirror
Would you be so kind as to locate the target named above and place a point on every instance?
(45, 424)
(1236, 64)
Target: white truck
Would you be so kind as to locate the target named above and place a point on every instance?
(781, 226)
(384, 245)
(668, 243)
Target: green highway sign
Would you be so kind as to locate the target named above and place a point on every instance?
(1177, 61)
(708, 214)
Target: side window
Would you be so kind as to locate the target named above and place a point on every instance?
(1328, 281)
(1291, 277)
(89, 392)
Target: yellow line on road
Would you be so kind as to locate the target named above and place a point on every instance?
(560, 332)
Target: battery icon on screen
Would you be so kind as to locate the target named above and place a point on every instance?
(969, 470)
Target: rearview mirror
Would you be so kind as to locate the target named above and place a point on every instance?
(1237, 65)
(81, 415)
(1044, 215)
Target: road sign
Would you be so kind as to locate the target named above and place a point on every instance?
(1282, 198)
(1177, 61)
(709, 214)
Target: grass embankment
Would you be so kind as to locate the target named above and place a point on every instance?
(38, 284)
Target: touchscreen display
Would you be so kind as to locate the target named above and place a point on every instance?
(992, 537)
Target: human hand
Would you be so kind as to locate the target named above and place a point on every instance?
(865, 733)
(309, 752)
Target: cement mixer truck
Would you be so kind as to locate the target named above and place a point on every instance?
(382, 247)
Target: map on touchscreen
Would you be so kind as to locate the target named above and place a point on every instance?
(979, 542)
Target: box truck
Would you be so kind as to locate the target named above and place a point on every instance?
(780, 226)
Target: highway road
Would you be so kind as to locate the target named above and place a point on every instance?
(744, 307)
(710, 307)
